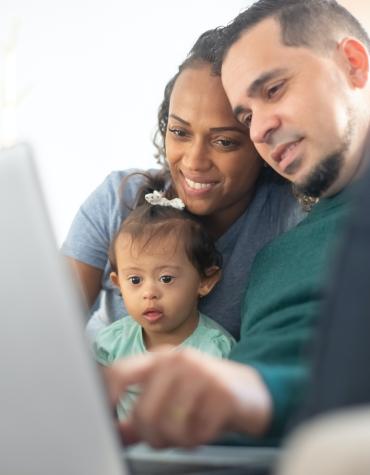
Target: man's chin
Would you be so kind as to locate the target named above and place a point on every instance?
(322, 179)
(306, 188)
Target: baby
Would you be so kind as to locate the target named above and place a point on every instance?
(163, 261)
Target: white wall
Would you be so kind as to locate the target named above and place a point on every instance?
(92, 74)
(360, 9)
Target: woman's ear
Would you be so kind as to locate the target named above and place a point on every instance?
(357, 60)
(213, 275)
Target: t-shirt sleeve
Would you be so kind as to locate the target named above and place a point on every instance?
(105, 344)
(221, 345)
(212, 339)
(98, 219)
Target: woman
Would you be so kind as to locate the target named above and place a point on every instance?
(214, 169)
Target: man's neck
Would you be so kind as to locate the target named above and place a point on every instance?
(359, 159)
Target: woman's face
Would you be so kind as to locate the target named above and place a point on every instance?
(213, 163)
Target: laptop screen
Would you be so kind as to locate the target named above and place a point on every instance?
(54, 417)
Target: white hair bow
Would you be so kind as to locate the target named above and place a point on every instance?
(157, 198)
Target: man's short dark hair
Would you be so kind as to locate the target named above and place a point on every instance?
(308, 23)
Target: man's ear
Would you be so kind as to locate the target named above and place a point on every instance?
(114, 278)
(213, 275)
(357, 60)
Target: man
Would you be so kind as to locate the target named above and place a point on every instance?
(297, 73)
(337, 441)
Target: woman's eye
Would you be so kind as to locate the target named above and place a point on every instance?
(227, 143)
(135, 279)
(177, 132)
(166, 279)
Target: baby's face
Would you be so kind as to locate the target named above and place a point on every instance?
(160, 287)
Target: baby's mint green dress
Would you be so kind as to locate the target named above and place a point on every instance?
(124, 338)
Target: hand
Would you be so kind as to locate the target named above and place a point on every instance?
(189, 398)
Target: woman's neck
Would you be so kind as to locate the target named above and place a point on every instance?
(218, 223)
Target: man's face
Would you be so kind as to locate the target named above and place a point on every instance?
(297, 104)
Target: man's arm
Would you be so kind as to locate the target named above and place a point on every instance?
(189, 398)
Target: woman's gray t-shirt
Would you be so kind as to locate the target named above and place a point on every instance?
(272, 211)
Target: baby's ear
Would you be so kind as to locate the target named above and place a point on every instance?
(213, 275)
(114, 278)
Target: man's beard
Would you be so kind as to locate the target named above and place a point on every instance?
(327, 171)
(322, 177)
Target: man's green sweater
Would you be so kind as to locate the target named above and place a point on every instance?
(281, 305)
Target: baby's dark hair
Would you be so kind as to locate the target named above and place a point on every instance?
(148, 222)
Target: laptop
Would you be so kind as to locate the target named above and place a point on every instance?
(54, 414)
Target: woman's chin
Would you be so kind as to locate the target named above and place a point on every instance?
(198, 208)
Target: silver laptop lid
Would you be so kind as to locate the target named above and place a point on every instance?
(53, 414)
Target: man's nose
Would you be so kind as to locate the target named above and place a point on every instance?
(263, 125)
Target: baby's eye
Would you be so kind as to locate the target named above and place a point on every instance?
(135, 279)
(166, 279)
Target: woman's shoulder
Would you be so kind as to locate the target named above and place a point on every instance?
(281, 203)
(119, 187)
(276, 184)
(126, 183)
(131, 177)
(278, 190)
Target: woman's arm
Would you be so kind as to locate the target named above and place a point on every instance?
(89, 279)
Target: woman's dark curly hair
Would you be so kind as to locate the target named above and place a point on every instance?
(203, 51)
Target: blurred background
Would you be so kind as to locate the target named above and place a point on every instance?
(88, 77)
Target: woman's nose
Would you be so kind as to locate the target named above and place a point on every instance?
(196, 156)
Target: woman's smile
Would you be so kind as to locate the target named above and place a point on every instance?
(198, 186)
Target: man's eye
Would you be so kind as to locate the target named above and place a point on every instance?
(272, 91)
(166, 279)
(135, 279)
(246, 120)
